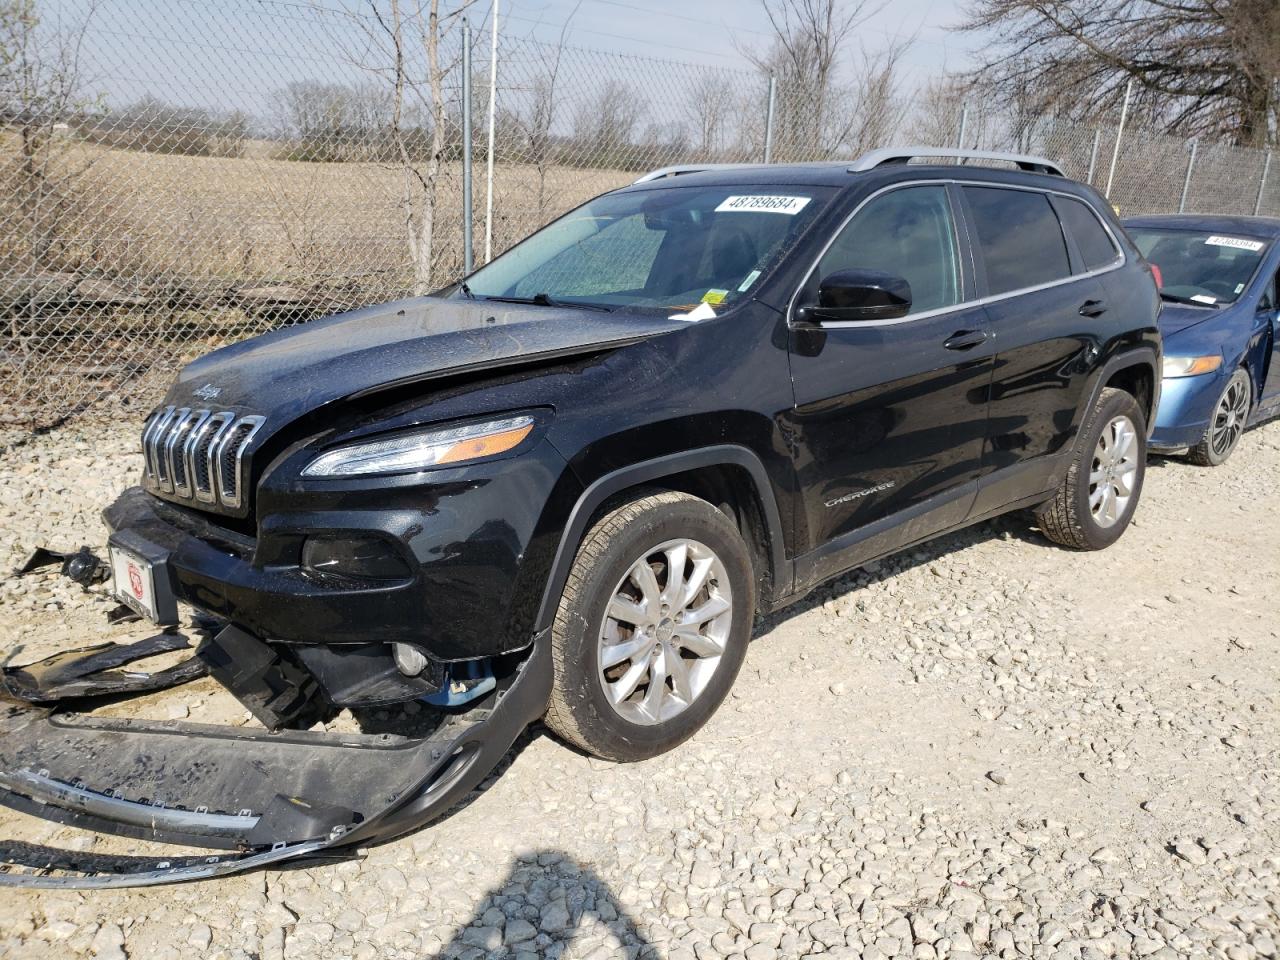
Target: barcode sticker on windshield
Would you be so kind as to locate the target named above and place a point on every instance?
(763, 204)
(1237, 242)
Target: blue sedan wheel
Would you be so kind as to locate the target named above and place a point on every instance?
(1227, 424)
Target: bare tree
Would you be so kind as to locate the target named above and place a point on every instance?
(314, 114)
(605, 126)
(335, 121)
(42, 97)
(535, 126)
(936, 109)
(809, 38)
(875, 113)
(403, 43)
(1200, 67)
(710, 105)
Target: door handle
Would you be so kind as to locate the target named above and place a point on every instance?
(1092, 308)
(965, 340)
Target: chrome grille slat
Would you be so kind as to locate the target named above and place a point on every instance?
(202, 455)
(180, 420)
(151, 444)
(198, 454)
(229, 459)
(183, 435)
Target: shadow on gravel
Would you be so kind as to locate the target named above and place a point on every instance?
(547, 902)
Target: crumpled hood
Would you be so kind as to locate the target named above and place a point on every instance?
(1176, 317)
(292, 371)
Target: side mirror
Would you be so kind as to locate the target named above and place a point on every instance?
(859, 295)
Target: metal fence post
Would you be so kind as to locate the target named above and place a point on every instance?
(493, 106)
(964, 127)
(1115, 154)
(768, 120)
(468, 225)
(1186, 183)
(1093, 155)
(1262, 184)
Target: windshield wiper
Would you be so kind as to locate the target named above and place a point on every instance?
(465, 290)
(1174, 298)
(546, 300)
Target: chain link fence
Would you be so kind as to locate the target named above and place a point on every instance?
(178, 175)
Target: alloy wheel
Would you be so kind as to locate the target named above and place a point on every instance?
(1114, 472)
(1229, 417)
(664, 632)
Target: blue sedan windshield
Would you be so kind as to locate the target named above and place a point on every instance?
(668, 248)
(1198, 266)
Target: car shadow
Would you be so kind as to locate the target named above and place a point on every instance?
(1017, 525)
(546, 902)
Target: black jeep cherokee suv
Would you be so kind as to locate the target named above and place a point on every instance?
(683, 404)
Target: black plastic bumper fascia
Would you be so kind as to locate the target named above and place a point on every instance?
(441, 780)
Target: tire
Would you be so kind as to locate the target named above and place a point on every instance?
(600, 611)
(1230, 414)
(1078, 515)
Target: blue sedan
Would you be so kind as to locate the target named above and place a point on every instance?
(1221, 328)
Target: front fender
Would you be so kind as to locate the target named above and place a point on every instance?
(650, 471)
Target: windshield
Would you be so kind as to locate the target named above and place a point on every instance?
(669, 248)
(1197, 266)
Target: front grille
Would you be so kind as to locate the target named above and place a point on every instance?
(198, 454)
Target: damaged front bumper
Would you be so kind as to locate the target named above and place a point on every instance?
(261, 797)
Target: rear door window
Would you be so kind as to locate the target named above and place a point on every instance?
(1019, 238)
(1096, 246)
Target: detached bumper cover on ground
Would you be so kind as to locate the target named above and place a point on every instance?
(264, 797)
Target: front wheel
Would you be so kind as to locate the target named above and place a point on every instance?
(1094, 503)
(652, 627)
(1230, 414)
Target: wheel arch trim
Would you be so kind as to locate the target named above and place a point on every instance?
(648, 471)
(1137, 356)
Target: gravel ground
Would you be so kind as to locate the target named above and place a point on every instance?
(984, 747)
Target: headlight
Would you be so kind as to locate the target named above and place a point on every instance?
(411, 452)
(1191, 366)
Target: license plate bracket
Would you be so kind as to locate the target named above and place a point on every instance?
(141, 578)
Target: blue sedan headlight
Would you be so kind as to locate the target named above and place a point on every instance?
(1191, 366)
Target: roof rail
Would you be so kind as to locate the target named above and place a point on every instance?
(681, 168)
(888, 155)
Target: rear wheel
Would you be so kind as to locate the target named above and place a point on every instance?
(1095, 501)
(652, 627)
(1230, 414)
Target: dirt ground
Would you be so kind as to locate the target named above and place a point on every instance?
(988, 746)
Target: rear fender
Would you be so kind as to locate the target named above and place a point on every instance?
(1133, 357)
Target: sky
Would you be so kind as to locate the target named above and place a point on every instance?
(238, 54)
(713, 31)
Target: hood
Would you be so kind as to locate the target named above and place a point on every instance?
(1176, 317)
(295, 370)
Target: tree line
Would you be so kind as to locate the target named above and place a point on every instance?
(1206, 68)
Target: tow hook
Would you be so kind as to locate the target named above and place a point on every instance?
(464, 682)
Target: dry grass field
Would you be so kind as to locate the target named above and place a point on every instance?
(155, 258)
(253, 217)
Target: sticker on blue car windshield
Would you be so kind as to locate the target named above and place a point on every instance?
(1236, 243)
